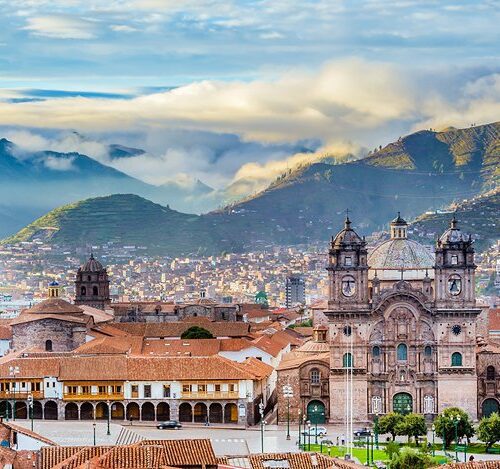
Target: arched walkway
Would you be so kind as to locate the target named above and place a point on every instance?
(230, 413)
(6, 409)
(148, 411)
(163, 411)
(86, 411)
(101, 411)
(316, 412)
(490, 406)
(402, 403)
(21, 410)
(37, 410)
(215, 413)
(71, 411)
(200, 413)
(50, 410)
(185, 412)
(117, 411)
(133, 412)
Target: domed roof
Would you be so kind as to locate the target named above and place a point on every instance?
(346, 236)
(400, 253)
(92, 265)
(452, 234)
(398, 220)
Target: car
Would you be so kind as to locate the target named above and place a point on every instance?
(313, 431)
(169, 424)
(362, 432)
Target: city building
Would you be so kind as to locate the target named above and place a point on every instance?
(92, 285)
(295, 291)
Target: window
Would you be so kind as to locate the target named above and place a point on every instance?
(89, 278)
(102, 390)
(315, 376)
(135, 390)
(490, 373)
(402, 352)
(456, 329)
(117, 390)
(186, 388)
(166, 390)
(202, 388)
(347, 331)
(217, 388)
(428, 351)
(48, 346)
(85, 389)
(456, 359)
(147, 390)
(232, 388)
(347, 360)
(348, 261)
(83, 291)
(376, 351)
(454, 260)
(95, 291)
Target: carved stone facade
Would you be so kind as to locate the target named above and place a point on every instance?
(403, 344)
(92, 285)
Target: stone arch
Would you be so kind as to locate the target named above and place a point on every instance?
(101, 411)
(230, 413)
(489, 406)
(95, 290)
(71, 411)
(402, 403)
(50, 410)
(216, 415)
(490, 373)
(117, 411)
(200, 412)
(86, 411)
(163, 411)
(148, 412)
(21, 410)
(316, 412)
(133, 411)
(185, 412)
(37, 410)
(83, 291)
(5, 409)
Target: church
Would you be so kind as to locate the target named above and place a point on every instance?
(401, 331)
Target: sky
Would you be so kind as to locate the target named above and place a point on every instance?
(223, 90)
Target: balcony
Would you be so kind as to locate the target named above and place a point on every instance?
(21, 395)
(210, 395)
(93, 397)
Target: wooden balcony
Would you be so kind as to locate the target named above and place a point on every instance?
(21, 395)
(210, 395)
(93, 397)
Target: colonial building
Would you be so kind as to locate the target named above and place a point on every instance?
(402, 330)
(92, 285)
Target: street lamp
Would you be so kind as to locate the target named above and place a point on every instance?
(30, 406)
(308, 423)
(109, 418)
(13, 371)
(261, 412)
(287, 394)
(94, 431)
(375, 429)
(433, 434)
(456, 420)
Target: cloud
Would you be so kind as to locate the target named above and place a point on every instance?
(59, 164)
(61, 27)
(123, 28)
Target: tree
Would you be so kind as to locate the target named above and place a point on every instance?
(412, 425)
(489, 429)
(410, 457)
(445, 424)
(389, 423)
(196, 332)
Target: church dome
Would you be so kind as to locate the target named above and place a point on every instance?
(400, 253)
(347, 236)
(92, 265)
(452, 234)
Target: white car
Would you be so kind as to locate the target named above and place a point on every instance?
(321, 431)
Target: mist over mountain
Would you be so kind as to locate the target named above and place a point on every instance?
(421, 172)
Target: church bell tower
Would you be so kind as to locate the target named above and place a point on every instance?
(454, 269)
(348, 271)
(92, 285)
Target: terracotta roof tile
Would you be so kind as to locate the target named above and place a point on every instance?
(186, 452)
(27, 432)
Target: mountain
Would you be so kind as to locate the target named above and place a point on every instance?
(477, 216)
(421, 172)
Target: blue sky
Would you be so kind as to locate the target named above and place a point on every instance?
(272, 74)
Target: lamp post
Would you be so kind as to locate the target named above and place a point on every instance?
(456, 420)
(7, 404)
(300, 418)
(261, 412)
(30, 406)
(375, 429)
(109, 418)
(287, 394)
(13, 371)
(444, 438)
(433, 434)
(308, 423)
(94, 431)
(371, 441)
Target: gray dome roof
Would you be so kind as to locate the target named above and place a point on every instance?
(346, 236)
(400, 253)
(92, 265)
(452, 234)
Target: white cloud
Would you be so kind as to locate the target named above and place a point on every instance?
(122, 28)
(59, 164)
(61, 27)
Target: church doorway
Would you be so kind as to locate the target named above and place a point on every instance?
(490, 406)
(402, 403)
(316, 412)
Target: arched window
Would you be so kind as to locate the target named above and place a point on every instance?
(456, 359)
(347, 360)
(428, 351)
(315, 376)
(402, 352)
(376, 351)
(89, 278)
(83, 291)
(48, 346)
(490, 373)
(95, 291)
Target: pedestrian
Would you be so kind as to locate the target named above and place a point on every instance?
(342, 440)
(207, 424)
(471, 458)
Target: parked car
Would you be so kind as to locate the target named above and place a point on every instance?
(321, 431)
(362, 432)
(169, 424)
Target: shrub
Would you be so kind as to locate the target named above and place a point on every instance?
(196, 332)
